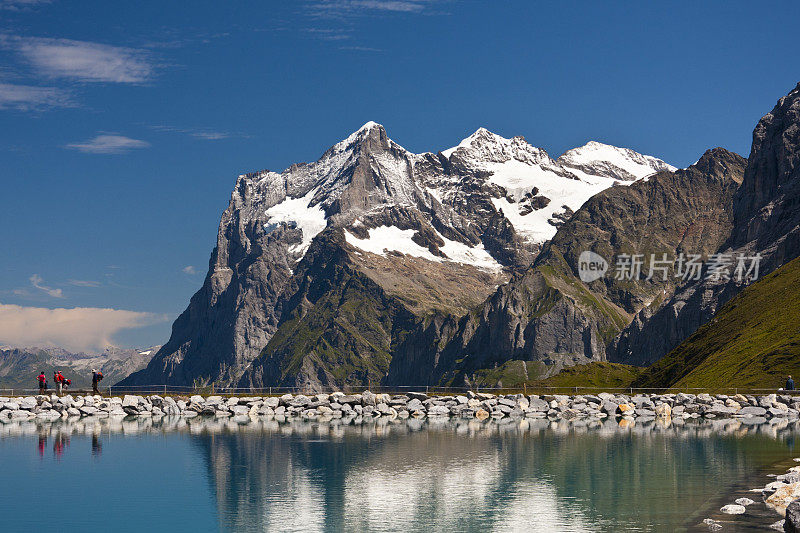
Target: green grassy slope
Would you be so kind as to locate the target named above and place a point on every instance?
(600, 375)
(754, 340)
(595, 375)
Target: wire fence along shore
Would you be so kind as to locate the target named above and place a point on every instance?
(190, 390)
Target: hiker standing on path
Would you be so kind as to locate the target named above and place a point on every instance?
(97, 376)
(789, 383)
(59, 381)
(42, 382)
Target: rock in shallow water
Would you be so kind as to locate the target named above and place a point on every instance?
(733, 508)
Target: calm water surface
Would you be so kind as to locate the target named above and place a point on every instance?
(262, 475)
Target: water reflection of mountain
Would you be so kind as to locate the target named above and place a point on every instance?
(471, 476)
(454, 475)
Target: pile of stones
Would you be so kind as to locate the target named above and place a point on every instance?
(411, 404)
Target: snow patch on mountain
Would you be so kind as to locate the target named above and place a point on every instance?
(595, 158)
(384, 239)
(299, 213)
(525, 171)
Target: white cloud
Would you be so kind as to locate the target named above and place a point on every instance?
(108, 144)
(30, 98)
(190, 270)
(78, 328)
(82, 60)
(38, 282)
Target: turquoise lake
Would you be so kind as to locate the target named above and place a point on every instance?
(448, 475)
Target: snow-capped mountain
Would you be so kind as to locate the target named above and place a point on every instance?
(538, 193)
(410, 235)
(534, 192)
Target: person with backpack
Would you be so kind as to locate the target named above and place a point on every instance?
(42, 382)
(59, 381)
(97, 377)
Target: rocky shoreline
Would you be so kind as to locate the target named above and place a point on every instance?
(755, 409)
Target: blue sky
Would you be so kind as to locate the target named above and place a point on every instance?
(124, 125)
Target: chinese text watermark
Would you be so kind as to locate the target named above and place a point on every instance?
(685, 266)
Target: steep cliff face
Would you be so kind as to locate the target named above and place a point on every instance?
(410, 237)
(546, 317)
(766, 222)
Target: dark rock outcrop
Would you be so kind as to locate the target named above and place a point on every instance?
(766, 222)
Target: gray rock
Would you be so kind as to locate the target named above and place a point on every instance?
(536, 404)
(752, 411)
(438, 410)
(351, 399)
(368, 398)
(272, 401)
(792, 522)
(240, 410)
(28, 403)
(733, 508)
(415, 405)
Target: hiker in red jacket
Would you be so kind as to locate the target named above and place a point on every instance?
(59, 380)
(42, 382)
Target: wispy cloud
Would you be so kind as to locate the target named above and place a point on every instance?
(84, 283)
(82, 60)
(30, 98)
(189, 270)
(21, 5)
(348, 14)
(350, 6)
(108, 144)
(361, 48)
(78, 328)
(200, 133)
(328, 34)
(38, 282)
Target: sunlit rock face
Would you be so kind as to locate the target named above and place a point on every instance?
(380, 238)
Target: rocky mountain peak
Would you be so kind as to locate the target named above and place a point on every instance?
(483, 146)
(721, 163)
(598, 159)
(407, 235)
(765, 203)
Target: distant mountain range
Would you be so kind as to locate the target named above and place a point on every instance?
(19, 366)
(377, 265)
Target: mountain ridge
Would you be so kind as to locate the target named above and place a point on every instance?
(401, 219)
